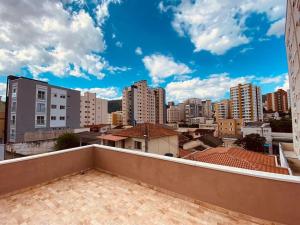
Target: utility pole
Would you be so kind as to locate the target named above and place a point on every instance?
(146, 137)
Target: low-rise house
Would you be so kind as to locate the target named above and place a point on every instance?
(145, 137)
(230, 127)
(239, 158)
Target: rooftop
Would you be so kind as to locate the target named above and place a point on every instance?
(98, 184)
(100, 198)
(240, 158)
(152, 130)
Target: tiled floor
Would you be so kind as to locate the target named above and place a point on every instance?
(99, 198)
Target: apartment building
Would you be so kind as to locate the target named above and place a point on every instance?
(93, 110)
(292, 42)
(277, 101)
(207, 108)
(193, 108)
(173, 114)
(222, 110)
(230, 127)
(36, 106)
(141, 104)
(115, 118)
(246, 102)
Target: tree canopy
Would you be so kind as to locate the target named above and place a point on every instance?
(67, 140)
(253, 142)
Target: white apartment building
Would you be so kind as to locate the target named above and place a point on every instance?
(246, 102)
(173, 114)
(142, 104)
(292, 42)
(93, 110)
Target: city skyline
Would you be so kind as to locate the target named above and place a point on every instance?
(188, 57)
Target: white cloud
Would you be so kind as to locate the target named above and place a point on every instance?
(219, 25)
(161, 67)
(138, 51)
(49, 38)
(286, 83)
(102, 11)
(277, 28)
(213, 87)
(119, 44)
(105, 93)
(270, 80)
(3, 91)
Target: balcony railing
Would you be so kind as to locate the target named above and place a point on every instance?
(273, 197)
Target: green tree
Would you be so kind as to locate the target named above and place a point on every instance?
(67, 140)
(253, 142)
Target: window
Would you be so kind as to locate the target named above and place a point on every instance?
(13, 106)
(12, 133)
(13, 120)
(62, 118)
(62, 96)
(41, 95)
(137, 145)
(53, 117)
(62, 107)
(40, 107)
(40, 120)
(55, 95)
(53, 106)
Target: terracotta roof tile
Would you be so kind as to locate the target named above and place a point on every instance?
(240, 158)
(153, 130)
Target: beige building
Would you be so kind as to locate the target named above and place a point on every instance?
(246, 102)
(173, 114)
(230, 127)
(146, 137)
(292, 42)
(93, 110)
(115, 118)
(142, 104)
(222, 110)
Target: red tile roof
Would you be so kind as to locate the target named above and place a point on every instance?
(153, 131)
(184, 152)
(240, 158)
(111, 137)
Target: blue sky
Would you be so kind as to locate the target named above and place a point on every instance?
(193, 48)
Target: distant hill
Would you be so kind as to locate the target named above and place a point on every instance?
(114, 105)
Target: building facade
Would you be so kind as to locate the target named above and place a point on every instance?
(142, 104)
(277, 101)
(173, 114)
(222, 110)
(115, 118)
(292, 41)
(230, 127)
(36, 106)
(246, 102)
(93, 110)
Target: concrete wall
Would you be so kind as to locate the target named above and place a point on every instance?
(31, 148)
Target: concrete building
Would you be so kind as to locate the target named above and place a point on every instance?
(222, 110)
(115, 118)
(230, 127)
(277, 101)
(207, 108)
(141, 104)
(173, 114)
(146, 137)
(292, 42)
(37, 107)
(93, 110)
(193, 108)
(246, 102)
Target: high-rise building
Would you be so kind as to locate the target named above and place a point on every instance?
(142, 104)
(222, 110)
(173, 114)
(115, 118)
(292, 43)
(277, 101)
(36, 106)
(114, 105)
(93, 110)
(207, 108)
(193, 108)
(246, 102)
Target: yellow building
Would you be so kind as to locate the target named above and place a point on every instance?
(230, 127)
(222, 110)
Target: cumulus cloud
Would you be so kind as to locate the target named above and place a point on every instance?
(105, 93)
(138, 51)
(286, 85)
(270, 80)
(3, 90)
(161, 67)
(277, 28)
(213, 87)
(43, 36)
(219, 25)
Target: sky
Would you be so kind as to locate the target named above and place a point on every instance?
(192, 48)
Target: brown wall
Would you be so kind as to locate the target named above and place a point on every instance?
(26, 173)
(263, 198)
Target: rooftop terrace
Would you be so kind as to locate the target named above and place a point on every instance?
(104, 185)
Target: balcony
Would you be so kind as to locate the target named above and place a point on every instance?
(107, 185)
